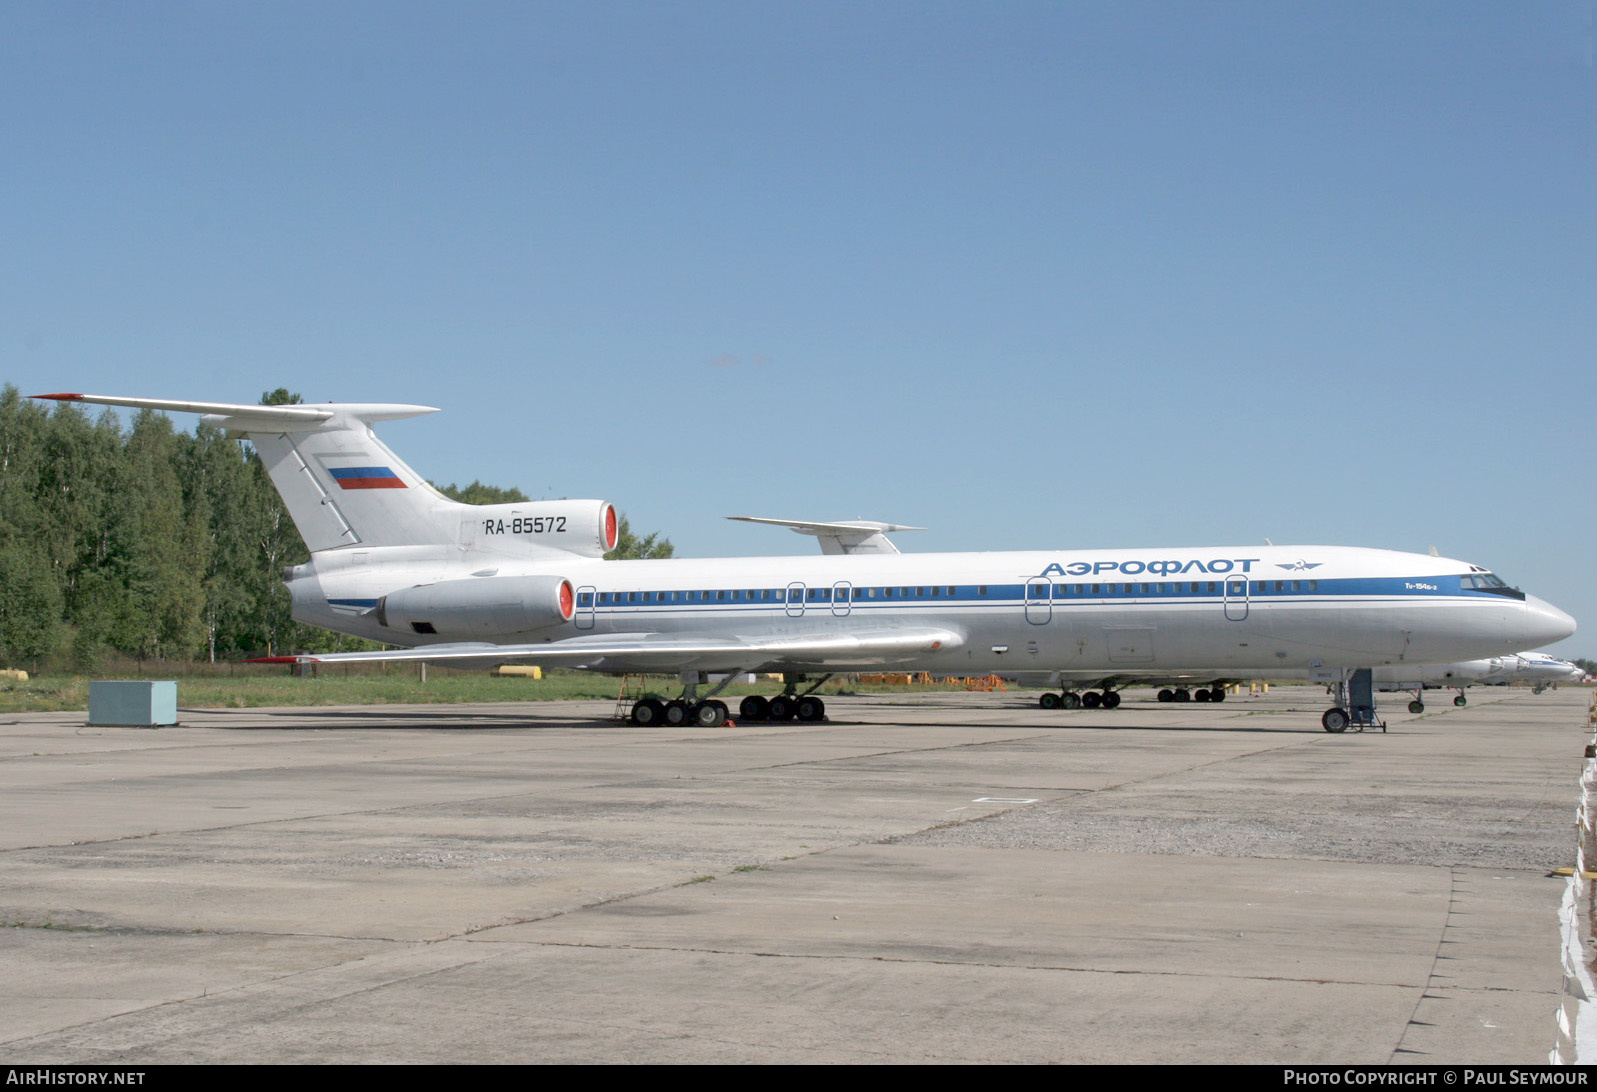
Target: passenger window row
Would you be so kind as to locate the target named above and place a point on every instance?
(842, 593)
(1175, 587)
(847, 593)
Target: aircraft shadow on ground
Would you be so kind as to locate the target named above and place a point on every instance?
(310, 719)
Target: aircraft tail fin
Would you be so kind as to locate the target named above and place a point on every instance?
(342, 485)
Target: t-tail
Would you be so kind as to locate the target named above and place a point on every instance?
(345, 489)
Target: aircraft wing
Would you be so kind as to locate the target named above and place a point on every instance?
(855, 536)
(622, 652)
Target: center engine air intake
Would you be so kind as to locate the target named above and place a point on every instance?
(479, 608)
(587, 528)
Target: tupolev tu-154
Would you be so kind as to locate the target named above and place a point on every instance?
(394, 560)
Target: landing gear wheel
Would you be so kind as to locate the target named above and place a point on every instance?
(1217, 694)
(1111, 699)
(1091, 699)
(1460, 700)
(782, 707)
(1183, 695)
(709, 714)
(1335, 720)
(677, 713)
(648, 712)
(811, 709)
(1416, 706)
(1050, 701)
(1070, 699)
(1200, 695)
(1167, 695)
(754, 707)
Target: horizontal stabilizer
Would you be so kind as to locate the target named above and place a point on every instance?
(341, 485)
(243, 417)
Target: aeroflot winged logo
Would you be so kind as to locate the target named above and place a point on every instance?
(365, 477)
(1300, 565)
(1155, 568)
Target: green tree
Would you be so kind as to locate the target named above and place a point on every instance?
(76, 488)
(157, 550)
(30, 606)
(24, 456)
(30, 598)
(227, 495)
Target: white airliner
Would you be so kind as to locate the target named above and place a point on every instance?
(394, 560)
(1093, 689)
(1542, 669)
(1537, 668)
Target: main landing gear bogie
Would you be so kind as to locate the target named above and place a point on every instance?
(1216, 693)
(783, 707)
(648, 712)
(789, 704)
(651, 712)
(1092, 699)
(710, 712)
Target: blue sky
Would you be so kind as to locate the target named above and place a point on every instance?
(1032, 275)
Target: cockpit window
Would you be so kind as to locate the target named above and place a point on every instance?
(1488, 582)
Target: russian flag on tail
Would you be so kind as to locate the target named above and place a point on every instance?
(365, 477)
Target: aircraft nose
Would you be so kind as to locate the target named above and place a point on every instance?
(1545, 623)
